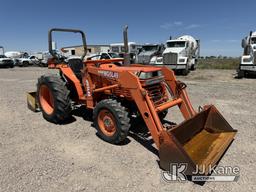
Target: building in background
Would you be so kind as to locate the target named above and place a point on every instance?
(91, 49)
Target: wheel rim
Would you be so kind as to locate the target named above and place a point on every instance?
(46, 99)
(106, 122)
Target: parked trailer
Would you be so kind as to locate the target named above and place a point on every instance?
(120, 49)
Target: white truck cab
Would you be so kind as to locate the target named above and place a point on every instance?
(248, 59)
(149, 52)
(180, 54)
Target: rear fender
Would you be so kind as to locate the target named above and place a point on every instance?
(69, 75)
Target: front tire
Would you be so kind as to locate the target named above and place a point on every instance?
(111, 121)
(25, 63)
(240, 74)
(185, 71)
(53, 98)
(193, 67)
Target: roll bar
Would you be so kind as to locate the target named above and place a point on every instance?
(69, 31)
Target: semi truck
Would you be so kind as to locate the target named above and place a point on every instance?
(148, 51)
(248, 59)
(181, 54)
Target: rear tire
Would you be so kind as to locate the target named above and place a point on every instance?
(111, 121)
(53, 98)
(185, 72)
(240, 74)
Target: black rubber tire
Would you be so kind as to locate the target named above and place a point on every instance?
(62, 103)
(193, 68)
(240, 74)
(25, 64)
(185, 72)
(121, 117)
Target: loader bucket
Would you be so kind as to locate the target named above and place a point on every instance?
(199, 142)
(32, 101)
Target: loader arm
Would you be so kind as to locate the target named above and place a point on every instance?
(146, 106)
(200, 140)
(179, 91)
(131, 82)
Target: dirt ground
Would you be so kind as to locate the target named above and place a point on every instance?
(36, 155)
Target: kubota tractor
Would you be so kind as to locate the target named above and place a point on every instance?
(115, 92)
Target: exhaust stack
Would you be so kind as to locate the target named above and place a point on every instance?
(126, 48)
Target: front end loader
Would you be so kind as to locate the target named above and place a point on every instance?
(115, 93)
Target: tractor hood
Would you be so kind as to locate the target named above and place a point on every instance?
(131, 68)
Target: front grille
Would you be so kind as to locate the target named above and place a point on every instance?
(170, 58)
(157, 93)
(143, 59)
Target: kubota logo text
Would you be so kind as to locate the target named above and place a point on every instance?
(109, 74)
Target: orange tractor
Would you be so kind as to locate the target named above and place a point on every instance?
(114, 93)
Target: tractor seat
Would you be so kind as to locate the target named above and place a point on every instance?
(76, 65)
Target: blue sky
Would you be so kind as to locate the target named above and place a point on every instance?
(219, 24)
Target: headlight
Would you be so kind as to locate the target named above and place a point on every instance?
(159, 60)
(147, 75)
(152, 62)
(181, 60)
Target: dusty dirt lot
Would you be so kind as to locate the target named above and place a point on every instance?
(36, 155)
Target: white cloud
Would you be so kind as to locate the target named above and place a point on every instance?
(178, 23)
(192, 26)
(166, 25)
(232, 40)
(225, 41)
(215, 40)
(171, 24)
